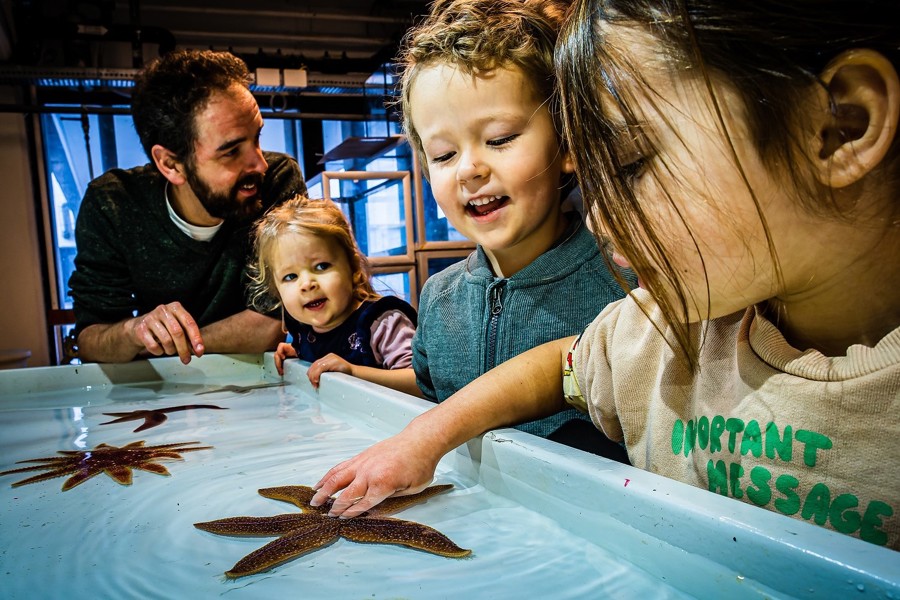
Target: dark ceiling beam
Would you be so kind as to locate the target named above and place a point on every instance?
(276, 14)
(233, 37)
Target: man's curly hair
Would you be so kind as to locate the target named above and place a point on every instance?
(173, 89)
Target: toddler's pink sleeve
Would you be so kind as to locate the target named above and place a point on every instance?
(392, 335)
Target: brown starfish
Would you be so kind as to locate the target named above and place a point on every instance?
(152, 418)
(115, 462)
(241, 389)
(313, 528)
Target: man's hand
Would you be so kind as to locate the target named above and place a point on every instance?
(169, 329)
(166, 330)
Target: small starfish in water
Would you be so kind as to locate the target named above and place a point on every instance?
(240, 389)
(313, 528)
(115, 462)
(152, 418)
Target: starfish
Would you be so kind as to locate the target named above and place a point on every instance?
(115, 462)
(313, 528)
(240, 389)
(152, 418)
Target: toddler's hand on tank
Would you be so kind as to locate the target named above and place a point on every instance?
(331, 363)
(398, 466)
(167, 329)
(282, 353)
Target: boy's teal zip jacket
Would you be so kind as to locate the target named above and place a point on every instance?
(471, 321)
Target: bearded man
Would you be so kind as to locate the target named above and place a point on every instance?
(163, 248)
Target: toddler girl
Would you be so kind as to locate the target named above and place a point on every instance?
(308, 263)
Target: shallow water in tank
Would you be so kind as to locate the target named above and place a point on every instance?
(106, 540)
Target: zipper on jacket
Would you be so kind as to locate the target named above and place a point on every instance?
(496, 308)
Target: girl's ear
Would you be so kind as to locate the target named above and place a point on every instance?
(168, 164)
(857, 121)
(568, 163)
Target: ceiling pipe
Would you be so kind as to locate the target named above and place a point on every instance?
(28, 109)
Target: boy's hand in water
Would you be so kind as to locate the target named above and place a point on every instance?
(331, 363)
(398, 466)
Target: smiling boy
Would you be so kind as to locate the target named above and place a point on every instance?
(477, 103)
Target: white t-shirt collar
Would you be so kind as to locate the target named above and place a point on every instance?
(199, 233)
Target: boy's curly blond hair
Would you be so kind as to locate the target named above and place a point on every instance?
(321, 218)
(478, 36)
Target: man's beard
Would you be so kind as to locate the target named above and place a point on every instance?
(226, 205)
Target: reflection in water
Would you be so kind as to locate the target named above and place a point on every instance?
(81, 440)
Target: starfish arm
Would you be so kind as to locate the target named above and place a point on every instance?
(153, 468)
(285, 548)
(120, 473)
(175, 445)
(182, 450)
(42, 477)
(224, 388)
(389, 506)
(80, 476)
(126, 416)
(34, 467)
(152, 420)
(168, 451)
(298, 495)
(165, 454)
(191, 407)
(261, 526)
(49, 460)
(405, 533)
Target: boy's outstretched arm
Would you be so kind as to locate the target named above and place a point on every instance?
(524, 388)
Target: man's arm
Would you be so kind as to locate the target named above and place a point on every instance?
(168, 329)
(244, 332)
(107, 342)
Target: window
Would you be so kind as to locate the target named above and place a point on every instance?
(78, 148)
(81, 147)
